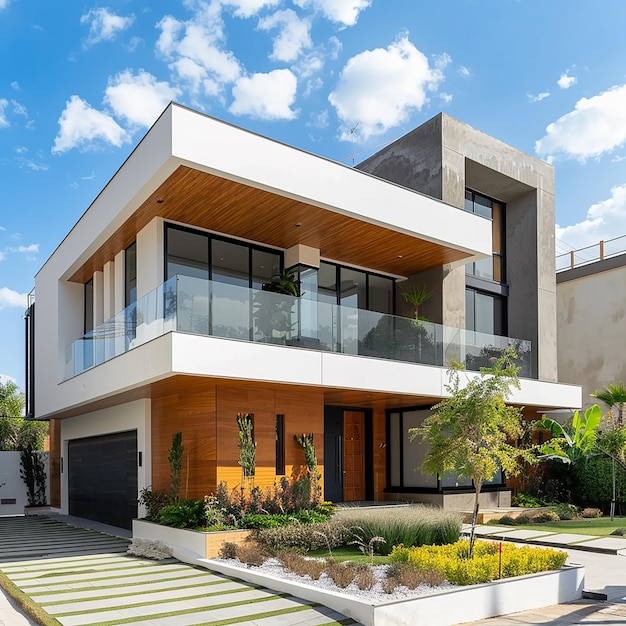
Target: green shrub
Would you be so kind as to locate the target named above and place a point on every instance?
(591, 482)
(411, 526)
(153, 501)
(183, 514)
(620, 532)
(528, 501)
(566, 511)
(507, 520)
(452, 561)
(523, 518)
(304, 537)
(545, 516)
(590, 512)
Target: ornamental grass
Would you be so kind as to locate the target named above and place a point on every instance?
(415, 525)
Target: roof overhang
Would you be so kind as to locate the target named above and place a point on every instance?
(193, 169)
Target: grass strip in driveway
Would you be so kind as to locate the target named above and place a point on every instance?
(190, 611)
(138, 605)
(26, 604)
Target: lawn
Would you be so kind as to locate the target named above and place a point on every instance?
(601, 526)
(350, 553)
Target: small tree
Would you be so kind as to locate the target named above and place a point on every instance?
(310, 482)
(469, 432)
(33, 473)
(175, 459)
(246, 445)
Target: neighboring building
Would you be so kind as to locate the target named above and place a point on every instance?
(591, 312)
(160, 310)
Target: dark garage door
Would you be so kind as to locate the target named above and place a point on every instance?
(102, 476)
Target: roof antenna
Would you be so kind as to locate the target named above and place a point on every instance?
(352, 138)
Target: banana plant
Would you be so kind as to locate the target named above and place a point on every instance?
(574, 440)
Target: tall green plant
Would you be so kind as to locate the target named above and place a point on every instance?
(468, 432)
(175, 459)
(614, 396)
(246, 445)
(33, 473)
(416, 295)
(309, 484)
(573, 440)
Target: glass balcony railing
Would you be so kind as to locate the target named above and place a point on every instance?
(203, 307)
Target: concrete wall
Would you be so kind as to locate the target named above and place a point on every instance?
(591, 312)
(443, 157)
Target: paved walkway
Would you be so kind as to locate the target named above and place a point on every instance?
(83, 577)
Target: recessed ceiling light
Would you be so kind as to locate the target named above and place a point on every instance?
(298, 225)
(399, 256)
(159, 201)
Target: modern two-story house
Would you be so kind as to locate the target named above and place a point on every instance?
(220, 272)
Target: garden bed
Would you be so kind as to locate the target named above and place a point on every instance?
(183, 541)
(439, 608)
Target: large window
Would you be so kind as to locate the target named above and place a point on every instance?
(405, 456)
(355, 288)
(486, 291)
(490, 268)
(131, 274)
(202, 255)
(485, 312)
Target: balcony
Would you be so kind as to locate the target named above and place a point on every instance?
(202, 307)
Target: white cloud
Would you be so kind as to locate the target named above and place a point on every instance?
(3, 119)
(16, 86)
(5, 378)
(195, 51)
(104, 26)
(293, 37)
(605, 220)
(19, 109)
(539, 97)
(595, 126)
(345, 12)
(139, 98)
(380, 88)
(80, 125)
(566, 81)
(248, 8)
(31, 165)
(266, 96)
(21, 149)
(463, 72)
(4, 4)
(10, 298)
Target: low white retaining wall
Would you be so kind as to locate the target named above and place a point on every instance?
(445, 608)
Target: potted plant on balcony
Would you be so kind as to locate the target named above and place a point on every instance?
(272, 314)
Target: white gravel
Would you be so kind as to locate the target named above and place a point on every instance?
(376, 594)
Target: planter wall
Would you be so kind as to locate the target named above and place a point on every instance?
(446, 608)
(185, 541)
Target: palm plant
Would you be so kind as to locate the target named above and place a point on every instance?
(614, 396)
(416, 295)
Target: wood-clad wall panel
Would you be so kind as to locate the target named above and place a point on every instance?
(379, 451)
(304, 413)
(192, 412)
(54, 470)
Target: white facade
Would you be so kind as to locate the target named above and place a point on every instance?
(115, 395)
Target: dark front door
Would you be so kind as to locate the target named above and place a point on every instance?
(348, 455)
(102, 477)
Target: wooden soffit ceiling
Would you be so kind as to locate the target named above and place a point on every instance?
(221, 205)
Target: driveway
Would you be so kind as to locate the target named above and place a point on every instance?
(80, 576)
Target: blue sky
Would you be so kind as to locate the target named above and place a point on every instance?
(81, 83)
